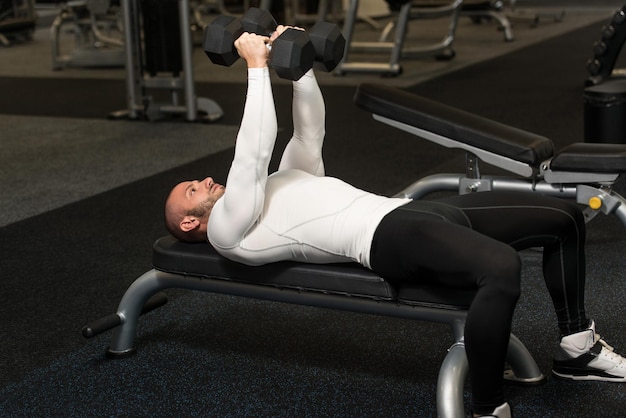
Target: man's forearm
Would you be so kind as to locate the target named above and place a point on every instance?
(309, 113)
(304, 151)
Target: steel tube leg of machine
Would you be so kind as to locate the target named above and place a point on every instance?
(185, 38)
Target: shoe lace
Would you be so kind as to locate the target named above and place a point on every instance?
(598, 338)
(610, 353)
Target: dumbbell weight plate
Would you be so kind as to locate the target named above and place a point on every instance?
(258, 21)
(329, 44)
(219, 40)
(292, 54)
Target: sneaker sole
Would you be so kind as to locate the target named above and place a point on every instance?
(589, 377)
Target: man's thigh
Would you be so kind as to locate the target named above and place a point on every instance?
(520, 219)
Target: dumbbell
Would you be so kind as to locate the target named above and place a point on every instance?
(292, 53)
(291, 56)
(327, 39)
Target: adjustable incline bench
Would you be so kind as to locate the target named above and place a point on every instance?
(586, 172)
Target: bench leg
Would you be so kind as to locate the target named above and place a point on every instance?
(454, 370)
(129, 310)
(450, 382)
(524, 369)
(138, 293)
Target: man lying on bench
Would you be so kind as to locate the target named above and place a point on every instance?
(470, 241)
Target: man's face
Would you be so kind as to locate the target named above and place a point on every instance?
(197, 194)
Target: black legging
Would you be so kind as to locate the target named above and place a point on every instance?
(471, 241)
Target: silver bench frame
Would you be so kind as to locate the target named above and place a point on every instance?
(453, 370)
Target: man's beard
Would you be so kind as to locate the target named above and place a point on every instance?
(203, 210)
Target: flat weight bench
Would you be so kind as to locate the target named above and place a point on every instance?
(586, 172)
(347, 287)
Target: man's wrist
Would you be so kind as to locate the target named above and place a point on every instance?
(258, 71)
(257, 64)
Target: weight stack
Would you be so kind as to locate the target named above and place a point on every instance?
(605, 112)
(161, 32)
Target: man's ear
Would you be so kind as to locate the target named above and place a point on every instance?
(189, 223)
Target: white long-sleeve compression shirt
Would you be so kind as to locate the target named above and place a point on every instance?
(296, 213)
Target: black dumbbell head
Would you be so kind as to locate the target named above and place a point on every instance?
(292, 54)
(219, 40)
(258, 21)
(329, 44)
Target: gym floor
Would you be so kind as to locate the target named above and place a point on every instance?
(81, 205)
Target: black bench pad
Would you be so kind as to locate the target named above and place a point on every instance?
(455, 124)
(350, 279)
(201, 259)
(591, 158)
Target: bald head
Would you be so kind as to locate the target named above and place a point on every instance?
(188, 207)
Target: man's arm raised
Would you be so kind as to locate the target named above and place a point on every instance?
(243, 200)
(304, 150)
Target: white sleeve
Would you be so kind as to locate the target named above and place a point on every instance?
(304, 150)
(243, 200)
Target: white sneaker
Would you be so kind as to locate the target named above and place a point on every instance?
(586, 356)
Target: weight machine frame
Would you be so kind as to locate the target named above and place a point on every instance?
(139, 103)
(17, 22)
(396, 48)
